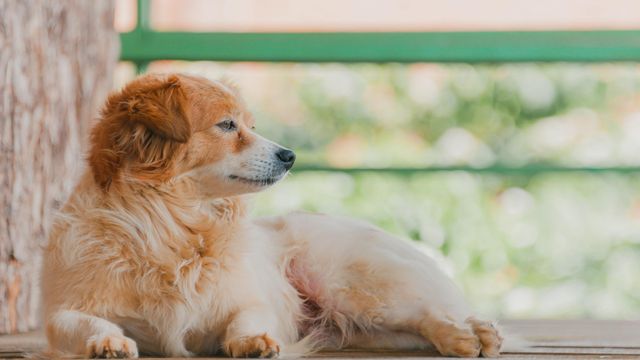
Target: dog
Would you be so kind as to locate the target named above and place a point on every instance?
(154, 252)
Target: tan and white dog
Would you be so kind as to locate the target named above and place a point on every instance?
(153, 252)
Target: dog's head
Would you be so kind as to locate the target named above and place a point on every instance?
(159, 128)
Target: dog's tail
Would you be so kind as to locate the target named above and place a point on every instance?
(313, 342)
(320, 339)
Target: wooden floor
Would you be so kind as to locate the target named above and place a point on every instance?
(548, 339)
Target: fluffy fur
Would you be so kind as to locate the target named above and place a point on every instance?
(153, 251)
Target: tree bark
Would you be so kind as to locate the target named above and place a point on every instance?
(56, 64)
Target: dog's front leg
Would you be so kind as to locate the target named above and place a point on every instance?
(250, 332)
(81, 334)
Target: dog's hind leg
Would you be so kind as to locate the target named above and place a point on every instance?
(86, 335)
(447, 325)
(411, 296)
(366, 280)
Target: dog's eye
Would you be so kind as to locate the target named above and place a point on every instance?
(227, 125)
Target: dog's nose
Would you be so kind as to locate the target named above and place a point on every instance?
(287, 157)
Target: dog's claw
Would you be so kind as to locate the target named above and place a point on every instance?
(111, 347)
(261, 346)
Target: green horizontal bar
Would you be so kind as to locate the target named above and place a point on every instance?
(579, 46)
(495, 169)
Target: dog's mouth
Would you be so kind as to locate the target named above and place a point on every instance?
(257, 182)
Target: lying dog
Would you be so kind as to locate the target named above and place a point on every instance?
(153, 251)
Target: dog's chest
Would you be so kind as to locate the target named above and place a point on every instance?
(189, 276)
(182, 302)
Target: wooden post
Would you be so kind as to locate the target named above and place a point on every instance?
(56, 65)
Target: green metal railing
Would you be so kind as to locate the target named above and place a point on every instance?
(143, 45)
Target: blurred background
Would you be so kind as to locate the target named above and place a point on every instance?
(518, 177)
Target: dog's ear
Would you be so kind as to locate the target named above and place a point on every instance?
(144, 123)
(161, 107)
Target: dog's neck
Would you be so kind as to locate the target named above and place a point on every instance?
(181, 195)
(170, 214)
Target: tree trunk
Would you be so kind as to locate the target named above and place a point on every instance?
(56, 65)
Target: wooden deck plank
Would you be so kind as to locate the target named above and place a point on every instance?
(19, 343)
(546, 339)
(580, 333)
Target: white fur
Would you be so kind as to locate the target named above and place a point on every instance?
(176, 268)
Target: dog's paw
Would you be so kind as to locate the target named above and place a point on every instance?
(261, 346)
(489, 336)
(111, 347)
(451, 340)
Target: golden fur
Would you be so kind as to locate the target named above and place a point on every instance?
(154, 252)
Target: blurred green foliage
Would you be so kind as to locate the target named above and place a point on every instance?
(521, 245)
